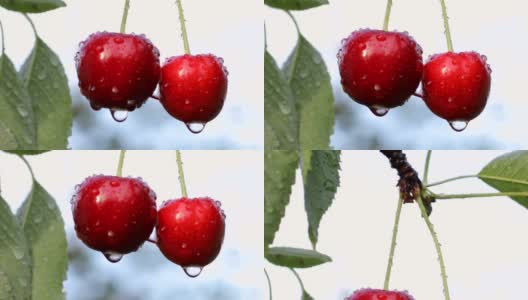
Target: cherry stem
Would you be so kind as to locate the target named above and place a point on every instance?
(437, 247)
(152, 241)
(3, 41)
(26, 212)
(298, 279)
(416, 94)
(446, 26)
(294, 21)
(269, 284)
(450, 179)
(479, 195)
(183, 29)
(181, 178)
(119, 172)
(393, 243)
(155, 97)
(125, 16)
(32, 24)
(387, 15)
(426, 168)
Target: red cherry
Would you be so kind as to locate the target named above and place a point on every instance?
(380, 69)
(456, 85)
(190, 232)
(193, 88)
(373, 294)
(114, 215)
(116, 70)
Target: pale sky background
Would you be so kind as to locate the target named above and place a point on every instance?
(484, 240)
(489, 27)
(231, 29)
(233, 177)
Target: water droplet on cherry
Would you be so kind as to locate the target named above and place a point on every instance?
(378, 110)
(192, 271)
(458, 125)
(113, 257)
(119, 115)
(195, 127)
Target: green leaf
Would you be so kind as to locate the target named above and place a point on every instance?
(279, 176)
(508, 173)
(47, 84)
(320, 186)
(312, 89)
(281, 121)
(31, 6)
(17, 129)
(44, 228)
(295, 257)
(7, 139)
(295, 4)
(15, 258)
(306, 296)
(6, 291)
(26, 152)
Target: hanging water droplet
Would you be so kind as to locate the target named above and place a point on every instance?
(285, 109)
(119, 115)
(458, 125)
(378, 110)
(22, 111)
(115, 90)
(377, 87)
(19, 254)
(113, 257)
(195, 127)
(192, 271)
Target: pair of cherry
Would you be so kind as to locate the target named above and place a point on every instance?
(120, 72)
(382, 69)
(116, 215)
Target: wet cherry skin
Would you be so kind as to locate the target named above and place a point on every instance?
(380, 68)
(114, 214)
(456, 86)
(374, 294)
(193, 87)
(117, 70)
(190, 232)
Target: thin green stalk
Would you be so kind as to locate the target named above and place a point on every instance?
(269, 284)
(298, 279)
(294, 21)
(181, 178)
(3, 41)
(449, 180)
(183, 29)
(437, 246)
(387, 15)
(120, 163)
(426, 168)
(125, 16)
(26, 211)
(28, 166)
(393, 244)
(32, 24)
(446, 26)
(483, 195)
